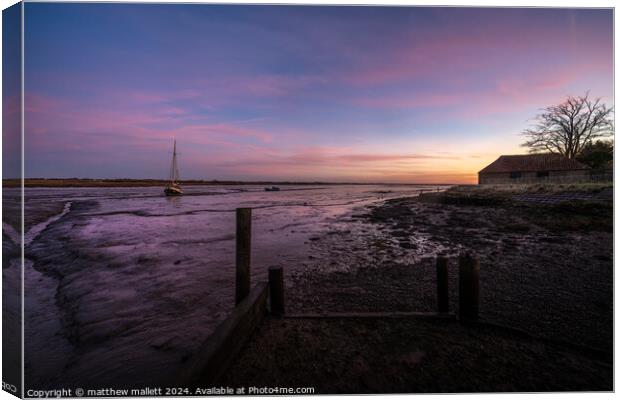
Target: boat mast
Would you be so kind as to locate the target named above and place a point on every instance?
(174, 169)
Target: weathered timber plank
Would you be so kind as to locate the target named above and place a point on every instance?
(220, 348)
(396, 314)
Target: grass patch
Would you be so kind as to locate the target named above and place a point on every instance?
(510, 190)
(574, 216)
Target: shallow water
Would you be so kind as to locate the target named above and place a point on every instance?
(123, 284)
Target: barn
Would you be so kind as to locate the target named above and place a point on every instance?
(533, 168)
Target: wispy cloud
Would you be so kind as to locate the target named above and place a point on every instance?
(364, 93)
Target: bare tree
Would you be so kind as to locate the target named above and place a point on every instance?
(568, 127)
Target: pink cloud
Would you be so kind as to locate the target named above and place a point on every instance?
(11, 126)
(223, 130)
(306, 161)
(414, 100)
(509, 94)
(99, 135)
(273, 85)
(391, 157)
(53, 124)
(451, 56)
(146, 97)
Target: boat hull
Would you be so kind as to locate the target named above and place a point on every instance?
(173, 191)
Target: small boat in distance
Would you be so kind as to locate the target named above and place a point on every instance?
(272, 189)
(174, 189)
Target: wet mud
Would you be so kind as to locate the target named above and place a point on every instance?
(123, 286)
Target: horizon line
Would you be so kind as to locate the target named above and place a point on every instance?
(227, 182)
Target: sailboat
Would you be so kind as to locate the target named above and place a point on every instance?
(174, 189)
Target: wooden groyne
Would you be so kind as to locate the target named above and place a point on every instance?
(219, 350)
(251, 306)
(243, 253)
(267, 299)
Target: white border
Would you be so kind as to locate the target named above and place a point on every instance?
(445, 3)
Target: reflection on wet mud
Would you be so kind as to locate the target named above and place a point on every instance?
(124, 281)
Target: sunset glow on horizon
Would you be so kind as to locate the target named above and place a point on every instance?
(297, 93)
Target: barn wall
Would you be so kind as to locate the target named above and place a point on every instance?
(530, 177)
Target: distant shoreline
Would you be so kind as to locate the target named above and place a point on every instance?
(76, 182)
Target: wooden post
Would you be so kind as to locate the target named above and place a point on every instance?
(276, 290)
(469, 286)
(244, 249)
(443, 303)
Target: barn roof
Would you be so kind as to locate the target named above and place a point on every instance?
(533, 162)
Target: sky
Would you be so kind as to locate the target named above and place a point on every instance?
(298, 93)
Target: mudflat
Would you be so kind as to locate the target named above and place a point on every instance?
(546, 255)
(545, 268)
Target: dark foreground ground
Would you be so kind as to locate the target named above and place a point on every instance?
(546, 268)
(409, 356)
